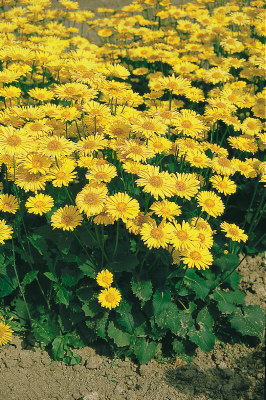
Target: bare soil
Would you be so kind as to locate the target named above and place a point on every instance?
(229, 372)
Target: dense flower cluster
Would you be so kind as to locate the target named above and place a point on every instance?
(155, 127)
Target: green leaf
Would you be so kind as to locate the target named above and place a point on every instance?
(101, 325)
(57, 349)
(88, 269)
(28, 278)
(125, 262)
(169, 319)
(121, 338)
(233, 279)
(227, 262)
(161, 302)
(64, 243)
(204, 337)
(70, 277)
(8, 280)
(144, 350)
(251, 323)
(185, 322)
(45, 330)
(40, 244)
(227, 300)
(197, 284)
(51, 276)
(142, 289)
(62, 295)
(127, 321)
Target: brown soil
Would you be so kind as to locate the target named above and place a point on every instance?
(229, 372)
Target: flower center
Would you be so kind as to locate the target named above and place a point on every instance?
(251, 125)
(223, 185)
(54, 145)
(136, 150)
(36, 127)
(182, 235)
(60, 175)
(198, 159)
(90, 198)
(101, 175)
(232, 97)
(156, 181)
(13, 140)
(180, 186)
(209, 203)
(195, 255)
(39, 204)
(118, 131)
(67, 219)
(157, 145)
(166, 114)
(202, 237)
(219, 104)
(233, 232)
(149, 126)
(121, 207)
(110, 298)
(224, 162)
(217, 75)
(186, 124)
(157, 233)
(70, 90)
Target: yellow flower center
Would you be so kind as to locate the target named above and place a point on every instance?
(182, 235)
(121, 207)
(202, 237)
(6, 206)
(232, 97)
(217, 75)
(233, 232)
(157, 145)
(54, 145)
(118, 131)
(157, 233)
(36, 127)
(186, 124)
(181, 186)
(219, 104)
(67, 219)
(36, 163)
(210, 203)
(101, 175)
(70, 90)
(198, 159)
(251, 125)
(91, 198)
(230, 41)
(223, 184)
(136, 150)
(60, 175)
(110, 298)
(39, 204)
(156, 181)
(166, 114)
(13, 140)
(224, 162)
(172, 85)
(149, 126)
(66, 114)
(195, 255)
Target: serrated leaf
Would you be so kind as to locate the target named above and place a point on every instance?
(169, 319)
(251, 323)
(62, 295)
(204, 318)
(70, 277)
(226, 261)
(161, 302)
(88, 269)
(233, 280)
(120, 337)
(125, 262)
(196, 283)
(204, 338)
(227, 300)
(185, 322)
(28, 278)
(178, 347)
(127, 321)
(142, 289)
(51, 276)
(57, 349)
(144, 350)
(101, 325)
(45, 330)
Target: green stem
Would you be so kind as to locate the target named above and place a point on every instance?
(116, 239)
(99, 242)
(251, 203)
(88, 255)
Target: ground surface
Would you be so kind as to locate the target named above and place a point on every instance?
(232, 373)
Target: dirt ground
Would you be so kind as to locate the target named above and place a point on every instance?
(230, 372)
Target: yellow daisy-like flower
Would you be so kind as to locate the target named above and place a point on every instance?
(222, 166)
(8, 203)
(184, 236)
(91, 200)
(109, 298)
(103, 218)
(134, 225)
(156, 236)
(174, 84)
(91, 143)
(186, 185)
(29, 181)
(251, 126)
(102, 173)
(137, 152)
(234, 232)
(35, 162)
(160, 144)
(199, 257)
(166, 209)
(197, 159)
(189, 124)
(14, 142)
(40, 204)
(105, 278)
(244, 168)
(5, 333)
(223, 184)
(133, 167)
(5, 231)
(200, 224)
(56, 146)
(121, 205)
(62, 175)
(206, 238)
(211, 203)
(66, 218)
(156, 183)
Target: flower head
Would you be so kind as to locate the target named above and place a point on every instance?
(5, 231)
(5, 333)
(234, 232)
(104, 278)
(66, 218)
(211, 203)
(40, 204)
(109, 298)
(121, 205)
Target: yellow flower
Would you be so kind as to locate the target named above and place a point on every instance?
(211, 203)
(222, 166)
(105, 278)
(156, 236)
(35, 162)
(156, 183)
(62, 175)
(8, 203)
(109, 298)
(186, 185)
(56, 146)
(91, 200)
(5, 333)
(137, 152)
(200, 224)
(40, 204)
(197, 159)
(5, 231)
(199, 257)
(234, 232)
(223, 184)
(134, 225)
(29, 181)
(121, 205)
(184, 236)
(166, 209)
(102, 173)
(103, 218)
(14, 142)
(66, 218)
(189, 124)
